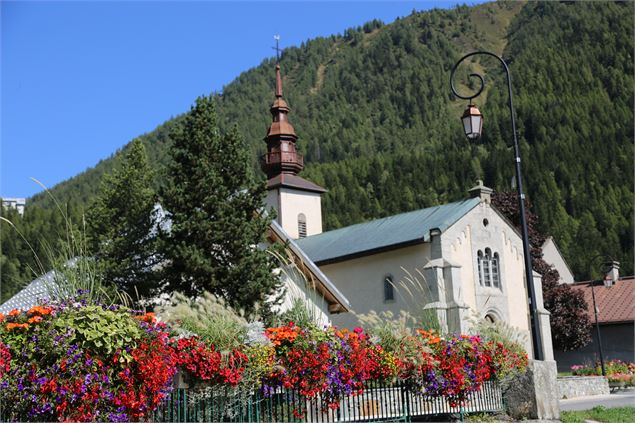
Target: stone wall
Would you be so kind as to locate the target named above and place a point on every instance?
(533, 395)
(582, 386)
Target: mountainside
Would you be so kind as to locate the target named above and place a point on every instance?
(380, 129)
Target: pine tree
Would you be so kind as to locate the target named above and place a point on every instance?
(214, 204)
(121, 225)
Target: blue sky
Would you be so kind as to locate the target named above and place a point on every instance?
(79, 80)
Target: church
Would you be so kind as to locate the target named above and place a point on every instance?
(459, 261)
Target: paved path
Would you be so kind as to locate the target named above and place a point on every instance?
(620, 398)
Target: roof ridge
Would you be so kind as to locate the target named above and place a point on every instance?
(437, 207)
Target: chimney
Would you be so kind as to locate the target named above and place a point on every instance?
(481, 191)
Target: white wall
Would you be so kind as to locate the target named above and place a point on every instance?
(552, 256)
(460, 244)
(289, 203)
(297, 288)
(361, 280)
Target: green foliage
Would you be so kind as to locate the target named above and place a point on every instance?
(600, 414)
(299, 314)
(121, 225)
(573, 92)
(378, 128)
(209, 317)
(69, 259)
(80, 274)
(215, 206)
(17, 258)
(99, 330)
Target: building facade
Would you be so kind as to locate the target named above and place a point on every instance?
(455, 262)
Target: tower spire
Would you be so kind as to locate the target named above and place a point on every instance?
(278, 77)
(281, 156)
(296, 201)
(278, 82)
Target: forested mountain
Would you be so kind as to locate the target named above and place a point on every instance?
(380, 129)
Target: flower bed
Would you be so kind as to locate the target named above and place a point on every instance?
(620, 374)
(79, 361)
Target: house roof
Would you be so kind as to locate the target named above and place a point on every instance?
(30, 295)
(615, 304)
(288, 180)
(338, 303)
(383, 234)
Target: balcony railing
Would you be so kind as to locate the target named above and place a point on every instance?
(282, 158)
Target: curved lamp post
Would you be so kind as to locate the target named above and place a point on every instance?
(611, 271)
(472, 125)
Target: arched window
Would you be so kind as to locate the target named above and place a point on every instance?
(488, 266)
(301, 225)
(479, 260)
(389, 289)
(490, 318)
(495, 272)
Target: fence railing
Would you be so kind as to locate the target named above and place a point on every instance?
(378, 402)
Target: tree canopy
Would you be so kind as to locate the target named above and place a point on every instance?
(121, 225)
(215, 207)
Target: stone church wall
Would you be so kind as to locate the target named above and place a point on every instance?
(361, 280)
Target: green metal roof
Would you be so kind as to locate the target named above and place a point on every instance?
(383, 234)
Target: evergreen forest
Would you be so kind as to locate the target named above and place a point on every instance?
(380, 129)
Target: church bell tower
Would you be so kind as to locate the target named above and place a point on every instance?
(296, 200)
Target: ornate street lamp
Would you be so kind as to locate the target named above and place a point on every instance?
(472, 124)
(611, 275)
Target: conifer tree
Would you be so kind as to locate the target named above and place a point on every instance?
(214, 204)
(121, 225)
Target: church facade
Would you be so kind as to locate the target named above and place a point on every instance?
(459, 261)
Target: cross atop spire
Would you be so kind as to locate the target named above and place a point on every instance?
(277, 48)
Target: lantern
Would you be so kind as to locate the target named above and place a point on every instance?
(472, 122)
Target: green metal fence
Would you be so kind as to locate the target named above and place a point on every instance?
(378, 402)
